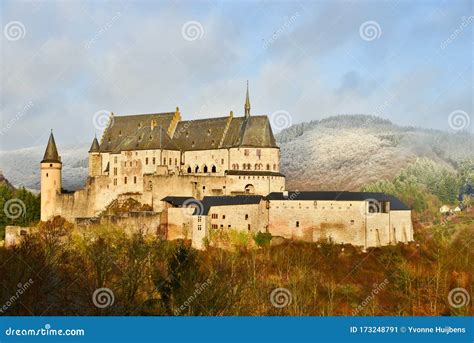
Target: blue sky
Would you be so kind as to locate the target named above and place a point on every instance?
(67, 60)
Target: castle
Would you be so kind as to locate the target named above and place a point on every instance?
(184, 179)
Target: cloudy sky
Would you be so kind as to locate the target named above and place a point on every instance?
(63, 62)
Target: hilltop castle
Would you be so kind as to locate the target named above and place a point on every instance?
(183, 179)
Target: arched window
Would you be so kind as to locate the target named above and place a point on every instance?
(268, 166)
(256, 166)
(204, 169)
(190, 170)
(249, 189)
(196, 169)
(214, 169)
(248, 166)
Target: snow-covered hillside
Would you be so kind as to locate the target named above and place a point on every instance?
(338, 153)
(21, 167)
(348, 151)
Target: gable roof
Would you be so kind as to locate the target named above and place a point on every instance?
(136, 132)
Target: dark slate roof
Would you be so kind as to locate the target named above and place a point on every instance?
(211, 201)
(95, 146)
(134, 132)
(395, 204)
(203, 206)
(254, 131)
(253, 172)
(202, 134)
(177, 201)
(51, 152)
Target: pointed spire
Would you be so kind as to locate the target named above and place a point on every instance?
(51, 152)
(247, 102)
(95, 146)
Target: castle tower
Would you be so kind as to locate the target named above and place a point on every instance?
(95, 159)
(50, 179)
(247, 103)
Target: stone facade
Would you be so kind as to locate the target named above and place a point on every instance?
(229, 165)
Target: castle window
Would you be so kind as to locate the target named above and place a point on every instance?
(268, 166)
(246, 217)
(175, 161)
(205, 169)
(248, 166)
(146, 160)
(134, 179)
(115, 171)
(47, 174)
(154, 160)
(125, 180)
(352, 222)
(297, 224)
(51, 165)
(213, 169)
(164, 160)
(203, 188)
(189, 170)
(248, 227)
(256, 166)
(171, 161)
(196, 170)
(223, 216)
(222, 226)
(199, 219)
(246, 152)
(115, 182)
(228, 226)
(199, 227)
